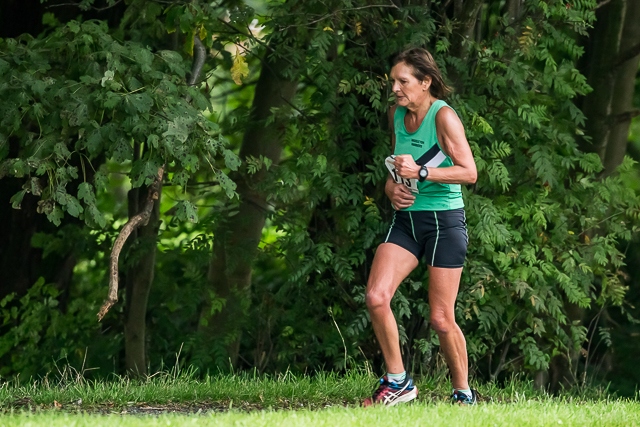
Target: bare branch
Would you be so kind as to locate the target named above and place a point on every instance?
(630, 53)
(501, 363)
(199, 57)
(138, 220)
(97, 9)
(602, 3)
(623, 117)
(347, 9)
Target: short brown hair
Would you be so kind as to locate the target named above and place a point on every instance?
(424, 65)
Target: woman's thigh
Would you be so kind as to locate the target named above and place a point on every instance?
(391, 265)
(443, 290)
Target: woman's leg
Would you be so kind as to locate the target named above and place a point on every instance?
(443, 290)
(391, 265)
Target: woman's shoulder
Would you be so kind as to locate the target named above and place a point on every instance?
(446, 116)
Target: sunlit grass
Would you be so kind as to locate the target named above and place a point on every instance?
(287, 400)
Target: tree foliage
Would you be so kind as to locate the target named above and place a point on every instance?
(545, 230)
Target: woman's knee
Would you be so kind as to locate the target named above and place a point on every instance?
(376, 299)
(442, 323)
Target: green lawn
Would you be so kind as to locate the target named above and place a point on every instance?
(285, 400)
(523, 414)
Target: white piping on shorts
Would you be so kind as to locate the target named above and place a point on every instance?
(413, 231)
(435, 245)
(466, 233)
(393, 221)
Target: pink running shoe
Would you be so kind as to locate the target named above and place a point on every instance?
(391, 393)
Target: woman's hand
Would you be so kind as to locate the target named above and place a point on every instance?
(401, 197)
(407, 167)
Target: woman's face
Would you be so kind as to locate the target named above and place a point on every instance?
(409, 91)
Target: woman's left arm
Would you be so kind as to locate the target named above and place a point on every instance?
(454, 144)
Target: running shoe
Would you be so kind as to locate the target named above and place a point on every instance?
(391, 393)
(464, 399)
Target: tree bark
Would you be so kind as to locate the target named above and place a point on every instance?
(623, 89)
(602, 51)
(20, 263)
(465, 17)
(237, 238)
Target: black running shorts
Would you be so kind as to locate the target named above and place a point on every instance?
(439, 236)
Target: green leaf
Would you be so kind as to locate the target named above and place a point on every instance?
(226, 183)
(62, 151)
(187, 211)
(144, 171)
(4, 66)
(122, 151)
(181, 178)
(95, 217)
(16, 199)
(85, 192)
(94, 142)
(55, 215)
(173, 18)
(178, 129)
(153, 140)
(73, 27)
(100, 180)
(232, 161)
(112, 100)
(142, 102)
(72, 206)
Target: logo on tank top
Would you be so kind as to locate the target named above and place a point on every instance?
(417, 143)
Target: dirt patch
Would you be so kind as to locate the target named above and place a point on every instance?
(144, 408)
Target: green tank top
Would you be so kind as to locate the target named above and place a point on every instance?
(424, 147)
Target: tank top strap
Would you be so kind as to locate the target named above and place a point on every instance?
(435, 107)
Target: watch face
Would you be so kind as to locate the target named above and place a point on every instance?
(423, 173)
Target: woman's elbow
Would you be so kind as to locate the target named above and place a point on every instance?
(472, 176)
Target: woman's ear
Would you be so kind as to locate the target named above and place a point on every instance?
(426, 83)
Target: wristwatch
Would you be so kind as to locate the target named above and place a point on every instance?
(423, 174)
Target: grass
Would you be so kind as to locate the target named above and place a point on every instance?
(287, 400)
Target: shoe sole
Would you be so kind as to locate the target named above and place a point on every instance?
(402, 399)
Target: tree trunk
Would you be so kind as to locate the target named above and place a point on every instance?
(614, 33)
(623, 89)
(20, 263)
(138, 278)
(465, 17)
(237, 238)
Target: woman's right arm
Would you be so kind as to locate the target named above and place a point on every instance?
(399, 195)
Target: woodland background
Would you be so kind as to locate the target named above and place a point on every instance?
(261, 127)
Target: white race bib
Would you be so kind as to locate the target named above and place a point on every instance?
(412, 184)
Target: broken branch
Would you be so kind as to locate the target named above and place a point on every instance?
(134, 222)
